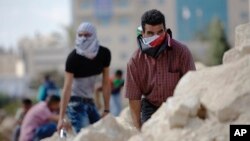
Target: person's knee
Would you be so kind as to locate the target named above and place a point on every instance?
(45, 130)
(51, 127)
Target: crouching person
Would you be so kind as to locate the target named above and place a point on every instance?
(40, 121)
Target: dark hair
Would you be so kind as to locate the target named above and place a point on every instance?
(47, 77)
(53, 99)
(152, 17)
(169, 32)
(118, 73)
(27, 101)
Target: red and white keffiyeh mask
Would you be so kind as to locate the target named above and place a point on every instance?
(153, 41)
(153, 46)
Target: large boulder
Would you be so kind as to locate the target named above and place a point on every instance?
(204, 104)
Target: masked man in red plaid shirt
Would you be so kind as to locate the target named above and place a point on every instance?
(155, 68)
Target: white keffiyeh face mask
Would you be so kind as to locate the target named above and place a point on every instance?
(87, 46)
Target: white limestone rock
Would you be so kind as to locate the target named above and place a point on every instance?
(107, 129)
(125, 118)
(55, 137)
(181, 109)
(236, 53)
(224, 90)
(242, 35)
(242, 44)
(199, 65)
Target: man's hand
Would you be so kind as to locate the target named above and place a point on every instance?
(63, 124)
(106, 112)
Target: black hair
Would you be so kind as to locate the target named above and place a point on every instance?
(169, 31)
(27, 101)
(47, 77)
(53, 99)
(152, 17)
(118, 73)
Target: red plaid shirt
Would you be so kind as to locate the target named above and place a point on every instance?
(156, 78)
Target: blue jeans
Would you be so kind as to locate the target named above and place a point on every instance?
(44, 131)
(81, 113)
(115, 104)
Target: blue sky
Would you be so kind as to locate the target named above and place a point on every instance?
(20, 18)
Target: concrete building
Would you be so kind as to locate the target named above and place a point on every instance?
(42, 54)
(11, 64)
(11, 74)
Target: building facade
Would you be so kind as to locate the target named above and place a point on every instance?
(43, 54)
(11, 64)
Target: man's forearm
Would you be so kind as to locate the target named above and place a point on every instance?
(135, 109)
(106, 88)
(64, 102)
(106, 96)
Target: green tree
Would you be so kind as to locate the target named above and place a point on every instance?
(218, 42)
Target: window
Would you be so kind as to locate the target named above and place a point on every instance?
(144, 2)
(86, 4)
(106, 40)
(123, 55)
(123, 21)
(104, 21)
(86, 19)
(103, 11)
(122, 3)
(244, 0)
(244, 16)
(161, 2)
(123, 39)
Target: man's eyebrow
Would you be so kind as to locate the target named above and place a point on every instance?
(160, 31)
(84, 34)
(150, 32)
